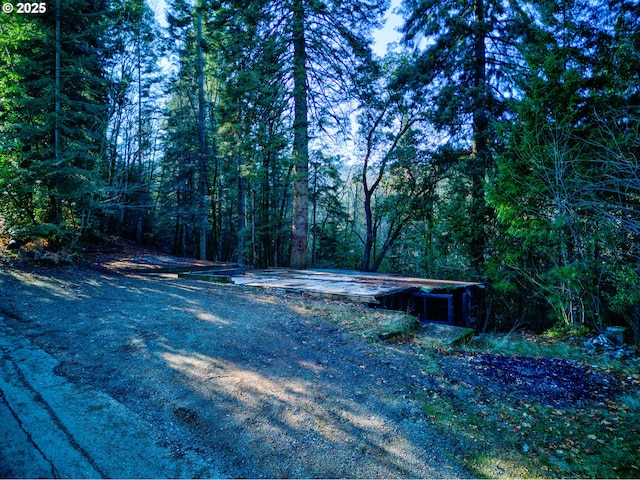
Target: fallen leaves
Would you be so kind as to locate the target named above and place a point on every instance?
(570, 420)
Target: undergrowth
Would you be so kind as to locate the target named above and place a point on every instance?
(506, 437)
(368, 323)
(503, 437)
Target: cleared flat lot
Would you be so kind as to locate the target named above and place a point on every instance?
(216, 380)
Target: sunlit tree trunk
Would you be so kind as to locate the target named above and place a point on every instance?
(202, 154)
(300, 218)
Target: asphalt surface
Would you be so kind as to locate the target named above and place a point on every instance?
(53, 428)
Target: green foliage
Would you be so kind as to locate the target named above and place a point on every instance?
(563, 235)
(627, 291)
(528, 438)
(563, 331)
(465, 62)
(623, 298)
(52, 115)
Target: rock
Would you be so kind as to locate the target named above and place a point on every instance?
(48, 257)
(598, 344)
(602, 344)
(615, 334)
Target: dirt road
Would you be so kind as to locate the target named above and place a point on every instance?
(212, 380)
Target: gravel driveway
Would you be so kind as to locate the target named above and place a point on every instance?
(245, 380)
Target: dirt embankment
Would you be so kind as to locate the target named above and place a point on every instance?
(242, 378)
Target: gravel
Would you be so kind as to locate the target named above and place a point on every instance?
(240, 377)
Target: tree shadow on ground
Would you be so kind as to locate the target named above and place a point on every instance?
(238, 376)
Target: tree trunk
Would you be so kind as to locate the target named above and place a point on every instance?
(202, 157)
(392, 236)
(57, 85)
(300, 217)
(480, 158)
(242, 186)
(139, 230)
(178, 224)
(369, 239)
(314, 218)
(55, 200)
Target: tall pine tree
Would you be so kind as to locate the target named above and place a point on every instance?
(464, 56)
(52, 117)
(325, 42)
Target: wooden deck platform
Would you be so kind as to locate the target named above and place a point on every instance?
(443, 301)
(440, 301)
(355, 286)
(350, 285)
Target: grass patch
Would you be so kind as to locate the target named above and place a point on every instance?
(529, 345)
(502, 436)
(369, 323)
(506, 437)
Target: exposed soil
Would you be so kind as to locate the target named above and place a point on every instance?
(249, 380)
(242, 377)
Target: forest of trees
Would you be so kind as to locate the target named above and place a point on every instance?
(497, 142)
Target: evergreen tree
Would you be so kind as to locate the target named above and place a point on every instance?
(549, 193)
(188, 157)
(465, 56)
(129, 160)
(253, 132)
(52, 117)
(324, 44)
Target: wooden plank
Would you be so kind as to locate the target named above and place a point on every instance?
(344, 286)
(180, 269)
(334, 284)
(216, 278)
(335, 296)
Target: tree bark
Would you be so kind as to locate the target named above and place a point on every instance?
(368, 215)
(242, 214)
(480, 157)
(373, 225)
(57, 85)
(300, 217)
(56, 202)
(202, 157)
